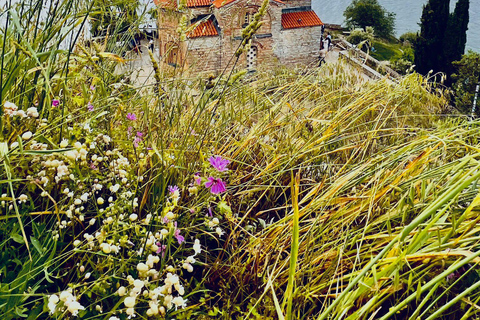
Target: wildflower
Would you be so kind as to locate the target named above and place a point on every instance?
(10, 108)
(27, 135)
(133, 217)
(173, 189)
(216, 185)
(32, 112)
(90, 106)
(122, 291)
(131, 116)
(139, 134)
(179, 302)
(161, 249)
(100, 201)
(22, 198)
(178, 236)
(52, 303)
(219, 231)
(64, 143)
(219, 163)
(136, 141)
(197, 247)
(129, 302)
(55, 103)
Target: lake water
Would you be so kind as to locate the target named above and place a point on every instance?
(408, 13)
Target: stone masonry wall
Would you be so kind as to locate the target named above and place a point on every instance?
(299, 45)
(203, 54)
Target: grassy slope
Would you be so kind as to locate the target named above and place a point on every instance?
(387, 191)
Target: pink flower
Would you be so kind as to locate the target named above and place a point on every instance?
(173, 189)
(139, 134)
(131, 116)
(55, 103)
(137, 141)
(219, 163)
(197, 179)
(178, 236)
(216, 185)
(161, 248)
(90, 106)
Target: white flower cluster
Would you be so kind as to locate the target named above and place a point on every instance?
(12, 110)
(70, 303)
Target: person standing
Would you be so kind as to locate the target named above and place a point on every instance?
(151, 45)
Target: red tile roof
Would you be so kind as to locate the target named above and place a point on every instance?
(221, 3)
(204, 29)
(300, 19)
(190, 3)
(199, 3)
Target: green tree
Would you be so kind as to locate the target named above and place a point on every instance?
(429, 44)
(456, 35)
(363, 13)
(466, 78)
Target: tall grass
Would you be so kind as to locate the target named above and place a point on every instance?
(381, 221)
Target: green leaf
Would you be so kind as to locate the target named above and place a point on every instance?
(17, 238)
(37, 245)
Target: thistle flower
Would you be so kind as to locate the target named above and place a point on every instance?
(219, 163)
(131, 116)
(216, 185)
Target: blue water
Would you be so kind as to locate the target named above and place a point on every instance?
(408, 14)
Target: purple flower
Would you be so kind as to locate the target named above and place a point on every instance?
(90, 106)
(55, 103)
(173, 189)
(219, 163)
(139, 134)
(161, 248)
(137, 141)
(216, 184)
(178, 236)
(131, 116)
(197, 179)
(210, 213)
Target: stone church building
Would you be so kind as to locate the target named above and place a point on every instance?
(290, 34)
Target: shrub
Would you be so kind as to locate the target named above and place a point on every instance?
(359, 35)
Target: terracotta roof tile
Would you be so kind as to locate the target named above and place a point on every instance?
(300, 19)
(190, 3)
(221, 3)
(204, 29)
(199, 3)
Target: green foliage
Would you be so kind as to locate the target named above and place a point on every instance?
(456, 35)
(363, 13)
(113, 16)
(404, 63)
(442, 36)
(466, 78)
(385, 51)
(409, 37)
(429, 44)
(360, 35)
